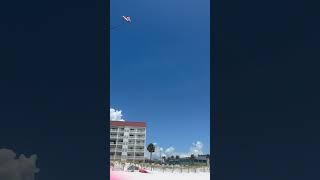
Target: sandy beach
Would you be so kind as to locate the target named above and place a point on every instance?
(155, 175)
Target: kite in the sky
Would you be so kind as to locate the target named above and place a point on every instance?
(125, 19)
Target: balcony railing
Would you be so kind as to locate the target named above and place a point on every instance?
(140, 137)
(135, 157)
(139, 144)
(115, 149)
(139, 150)
(115, 157)
(137, 137)
(139, 157)
(137, 132)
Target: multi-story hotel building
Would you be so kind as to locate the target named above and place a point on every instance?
(127, 141)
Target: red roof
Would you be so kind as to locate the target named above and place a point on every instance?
(124, 123)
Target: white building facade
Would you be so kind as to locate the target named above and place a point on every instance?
(127, 141)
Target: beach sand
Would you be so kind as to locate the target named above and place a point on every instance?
(121, 175)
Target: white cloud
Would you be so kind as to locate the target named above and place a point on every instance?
(170, 151)
(196, 148)
(115, 115)
(13, 168)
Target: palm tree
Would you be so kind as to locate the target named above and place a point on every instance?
(151, 148)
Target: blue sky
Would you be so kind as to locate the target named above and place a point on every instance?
(160, 69)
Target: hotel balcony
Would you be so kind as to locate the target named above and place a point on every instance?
(135, 150)
(140, 137)
(135, 157)
(137, 132)
(115, 149)
(131, 157)
(139, 144)
(115, 157)
(137, 137)
(139, 150)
